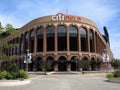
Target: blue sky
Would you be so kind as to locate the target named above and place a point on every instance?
(102, 12)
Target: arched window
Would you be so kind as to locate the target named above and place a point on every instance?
(91, 41)
(26, 42)
(83, 35)
(62, 30)
(73, 38)
(40, 39)
(50, 31)
(50, 38)
(32, 41)
(32, 33)
(40, 32)
(26, 35)
(21, 45)
(62, 38)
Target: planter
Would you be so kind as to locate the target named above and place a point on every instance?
(114, 80)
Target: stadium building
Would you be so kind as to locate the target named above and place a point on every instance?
(63, 39)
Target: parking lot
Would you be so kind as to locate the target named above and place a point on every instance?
(67, 82)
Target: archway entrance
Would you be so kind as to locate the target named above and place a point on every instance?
(38, 64)
(62, 64)
(51, 60)
(74, 66)
(93, 64)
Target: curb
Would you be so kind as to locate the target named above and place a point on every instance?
(114, 80)
(14, 82)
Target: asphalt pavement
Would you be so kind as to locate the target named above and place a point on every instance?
(67, 82)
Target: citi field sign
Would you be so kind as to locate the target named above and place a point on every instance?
(63, 17)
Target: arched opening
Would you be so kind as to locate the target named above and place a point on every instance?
(62, 38)
(99, 62)
(91, 41)
(93, 64)
(74, 61)
(20, 64)
(50, 38)
(38, 64)
(73, 38)
(83, 35)
(21, 45)
(32, 41)
(51, 60)
(26, 42)
(30, 65)
(62, 64)
(40, 40)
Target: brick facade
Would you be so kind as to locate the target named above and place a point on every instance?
(27, 41)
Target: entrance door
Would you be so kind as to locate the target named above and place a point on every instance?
(62, 64)
(38, 64)
(74, 66)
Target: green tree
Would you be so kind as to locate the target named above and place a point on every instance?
(1, 31)
(1, 28)
(84, 64)
(10, 29)
(46, 65)
(115, 63)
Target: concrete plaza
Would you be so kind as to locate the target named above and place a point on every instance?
(67, 82)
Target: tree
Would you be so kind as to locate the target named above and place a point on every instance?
(1, 28)
(46, 65)
(10, 29)
(1, 31)
(115, 63)
(84, 64)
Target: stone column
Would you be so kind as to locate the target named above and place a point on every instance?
(55, 64)
(56, 67)
(69, 66)
(88, 41)
(56, 39)
(23, 41)
(68, 39)
(79, 41)
(44, 41)
(94, 41)
(29, 41)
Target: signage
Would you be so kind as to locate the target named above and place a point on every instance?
(27, 58)
(63, 17)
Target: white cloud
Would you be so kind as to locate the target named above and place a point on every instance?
(10, 20)
(101, 12)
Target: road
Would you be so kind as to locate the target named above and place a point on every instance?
(67, 82)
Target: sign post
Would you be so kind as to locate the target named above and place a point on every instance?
(105, 59)
(27, 59)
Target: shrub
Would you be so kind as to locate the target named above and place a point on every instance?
(12, 69)
(5, 75)
(23, 74)
(115, 63)
(84, 64)
(117, 74)
(15, 75)
(110, 75)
